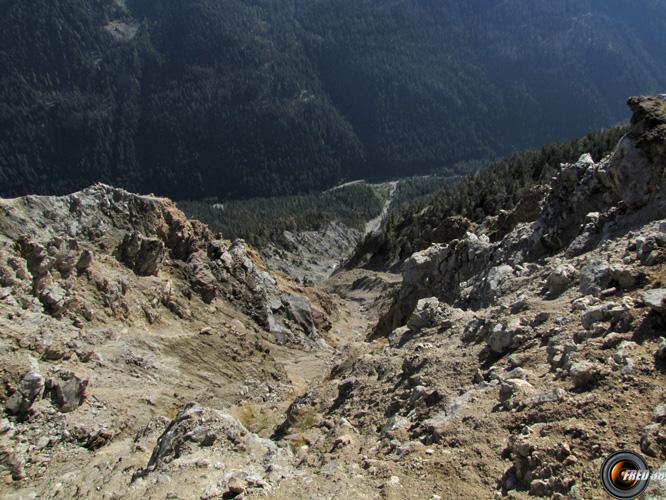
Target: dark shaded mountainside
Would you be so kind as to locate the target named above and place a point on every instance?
(143, 356)
(236, 98)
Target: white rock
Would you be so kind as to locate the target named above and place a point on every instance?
(656, 300)
(560, 279)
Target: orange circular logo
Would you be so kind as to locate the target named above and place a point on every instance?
(625, 475)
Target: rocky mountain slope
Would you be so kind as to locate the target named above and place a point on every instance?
(518, 365)
(312, 256)
(144, 357)
(116, 311)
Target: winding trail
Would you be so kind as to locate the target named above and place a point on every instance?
(374, 225)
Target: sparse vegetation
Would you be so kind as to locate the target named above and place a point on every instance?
(297, 443)
(256, 418)
(659, 277)
(307, 420)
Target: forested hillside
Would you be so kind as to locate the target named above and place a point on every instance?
(449, 213)
(262, 221)
(240, 98)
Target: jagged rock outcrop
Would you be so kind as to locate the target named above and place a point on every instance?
(587, 197)
(143, 255)
(113, 307)
(199, 427)
(198, 434)
(560, 279)
(440, 271)
(312, 256)
(656, 299)
(586, 203)
(58, 237)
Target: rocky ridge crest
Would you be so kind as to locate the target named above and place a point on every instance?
(113, 305)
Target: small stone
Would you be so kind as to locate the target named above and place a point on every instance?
(394, 481)
(593, 315)
(522, 447)
(426, 314)
(85, 261)
(540, 319)
(396, 337)
(54, 298)
(343, 441)
(502, 339)
(163, 479)
(659, 414)
(67, 391)
(515, 391)
(560, 280)
(595, 277)
(521, 304)
(42, 443)
(625, 277)
(653, 440)
(582, 304)
(237, 486)
(515, 373)
(656, 300)
(612, 340)
(620, 316)
(540, 488)
(29, 390)
(559, 355)
(585, 374)
(660, 354)
(651, 249)
(628, 367)
(517, 360)
(549, 396)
